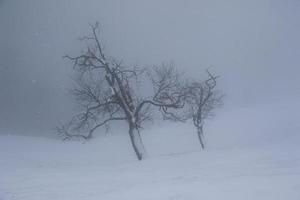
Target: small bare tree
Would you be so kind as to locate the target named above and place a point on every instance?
(202, 99)
(108, 92)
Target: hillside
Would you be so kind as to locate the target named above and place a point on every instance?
(253, 153)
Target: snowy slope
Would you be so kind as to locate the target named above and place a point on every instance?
(252, 153)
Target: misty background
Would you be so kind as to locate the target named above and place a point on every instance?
(254, 46)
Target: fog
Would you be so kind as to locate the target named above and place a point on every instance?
(254, 46)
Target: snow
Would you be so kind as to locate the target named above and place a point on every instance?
(249, 156)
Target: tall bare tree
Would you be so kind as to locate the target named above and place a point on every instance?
(108, 91)
(202, 99)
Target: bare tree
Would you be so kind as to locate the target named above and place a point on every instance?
(202, 99)
(108, 91)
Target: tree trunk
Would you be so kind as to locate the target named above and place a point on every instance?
(137, 142)
(200, 136)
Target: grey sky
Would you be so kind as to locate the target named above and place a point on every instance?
(254, 45)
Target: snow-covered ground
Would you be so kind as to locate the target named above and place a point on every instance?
(252, 153)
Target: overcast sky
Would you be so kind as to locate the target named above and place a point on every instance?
(254, 45)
